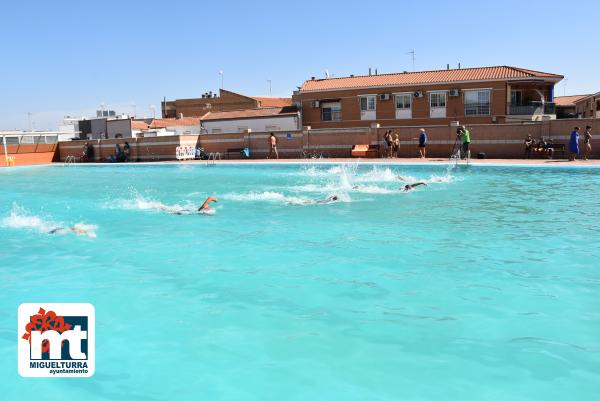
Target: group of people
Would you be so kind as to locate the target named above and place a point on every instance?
(574, 143)
(392, 142)
(122, 154)
(542, 146)
(548, 147)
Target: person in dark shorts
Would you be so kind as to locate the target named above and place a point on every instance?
(422, 143)
(528, 146)
(466, 142)
(387, 138)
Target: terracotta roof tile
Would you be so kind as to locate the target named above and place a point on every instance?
(139, 125)
(248, 113)
(425, 77)
(568, 100)
(273, 101)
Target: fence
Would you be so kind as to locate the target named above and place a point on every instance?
(496, 140)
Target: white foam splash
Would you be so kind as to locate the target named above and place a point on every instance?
(19, 218)
(267, 196)
(141, 203)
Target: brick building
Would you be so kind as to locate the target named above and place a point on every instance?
(588, 106)
(565, 105)
(224, 101)
(470, 95)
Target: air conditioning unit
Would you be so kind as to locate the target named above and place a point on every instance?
(315, 104)
(453, 92)
(418, 93)
(384, 96)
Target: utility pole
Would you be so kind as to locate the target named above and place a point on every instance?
(412, 53)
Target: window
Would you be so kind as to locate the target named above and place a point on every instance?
(331, 111)
(403, 101)
(367, 103)
(437, 99)
(477, 102)
(516, 98)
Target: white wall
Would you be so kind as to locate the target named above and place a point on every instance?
(265, 124)
(122, 127)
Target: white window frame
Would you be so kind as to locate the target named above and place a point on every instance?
(336, 112)
(436, 111)
(477, 110)
(368, 102)
(405, 112)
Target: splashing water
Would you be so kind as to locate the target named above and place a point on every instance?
(20, 218)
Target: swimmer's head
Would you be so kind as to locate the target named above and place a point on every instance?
(407, 187)
(334, 198)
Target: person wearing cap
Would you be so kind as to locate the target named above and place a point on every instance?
(422, 142)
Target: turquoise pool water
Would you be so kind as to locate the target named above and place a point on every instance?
(484, 285)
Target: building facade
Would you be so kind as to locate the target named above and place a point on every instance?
(274, 119)
(470, 96)
(588, 106)
(224, 101)
(565, 105)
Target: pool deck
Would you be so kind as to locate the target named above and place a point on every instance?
(433, 160)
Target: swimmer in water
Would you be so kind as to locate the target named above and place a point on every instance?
(330, 199)
(206, 205)
(204, 209)
(410, 187)
(76, 229)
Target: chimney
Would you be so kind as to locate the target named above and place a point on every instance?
(312, 78)
(459, 66)
(351, 75)
(447, 66)
(369, 70)
(375, 71)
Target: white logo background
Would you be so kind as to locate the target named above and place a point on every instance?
(61, 309)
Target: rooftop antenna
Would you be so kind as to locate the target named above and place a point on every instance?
(221, 74)
(153, 108)
(269, 82)
(327, 73)
(412, 54)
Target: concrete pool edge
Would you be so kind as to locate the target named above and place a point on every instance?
(537, 163)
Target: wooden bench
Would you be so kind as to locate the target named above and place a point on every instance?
(369, 151)
(558, 148)
(234, 151)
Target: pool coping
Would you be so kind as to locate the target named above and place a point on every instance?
(536, 163)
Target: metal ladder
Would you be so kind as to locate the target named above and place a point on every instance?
(70, 160)
(213, 156)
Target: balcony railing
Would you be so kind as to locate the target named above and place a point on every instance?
(532, 109)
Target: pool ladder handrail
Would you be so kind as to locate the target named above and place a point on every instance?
(70, 160)
(213, 156)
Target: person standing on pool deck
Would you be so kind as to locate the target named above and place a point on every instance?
(422, 142)
(273, 146)
(466, 142)
(387, 138)
(574, 144)
(587, 142)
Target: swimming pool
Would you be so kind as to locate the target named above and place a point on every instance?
(482, 285)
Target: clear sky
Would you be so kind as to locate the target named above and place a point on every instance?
(66, 58)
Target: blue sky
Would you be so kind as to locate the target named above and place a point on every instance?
(66, 58)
